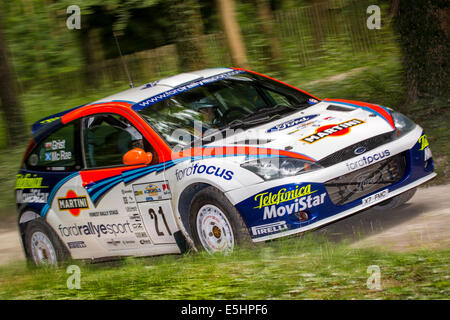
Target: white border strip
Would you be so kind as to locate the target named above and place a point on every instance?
(347, 212)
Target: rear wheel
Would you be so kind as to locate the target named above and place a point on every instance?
(396, 201)
(42, 246)
(215, 224)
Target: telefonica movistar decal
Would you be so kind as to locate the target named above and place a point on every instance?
(291, 123)
(268, 198)
(300, 198)
(423, 142)
(29, 181)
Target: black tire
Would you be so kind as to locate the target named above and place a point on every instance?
(35, 227)
(214, 197)
(396, 201)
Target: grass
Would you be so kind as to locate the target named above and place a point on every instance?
(307, 268)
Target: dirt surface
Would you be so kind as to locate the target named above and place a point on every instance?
(10, 244)
(423, 222)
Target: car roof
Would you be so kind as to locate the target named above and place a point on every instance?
(132, 96)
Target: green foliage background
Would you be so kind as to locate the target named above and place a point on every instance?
(52, 73)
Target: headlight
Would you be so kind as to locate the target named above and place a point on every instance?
(402, 123)
(279, 167)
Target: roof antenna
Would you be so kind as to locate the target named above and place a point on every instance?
(123, 61)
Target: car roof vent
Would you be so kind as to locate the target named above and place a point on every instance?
(333, 107)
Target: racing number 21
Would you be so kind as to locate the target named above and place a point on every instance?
(154, 217)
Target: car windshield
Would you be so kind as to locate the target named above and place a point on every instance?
(239, 101)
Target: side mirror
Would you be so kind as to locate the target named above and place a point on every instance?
(137, 156)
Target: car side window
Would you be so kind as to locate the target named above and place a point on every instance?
(57, 152)
(107, 137)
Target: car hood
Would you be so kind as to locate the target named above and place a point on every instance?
(317, 131)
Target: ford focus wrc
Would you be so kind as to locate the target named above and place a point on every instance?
(208, 159)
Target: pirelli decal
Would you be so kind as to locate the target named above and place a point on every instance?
(332, 130)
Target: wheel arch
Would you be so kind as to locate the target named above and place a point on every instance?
(27, 215)
(184, 202)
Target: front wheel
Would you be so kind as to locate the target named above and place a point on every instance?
(215, 224)
(42, 246)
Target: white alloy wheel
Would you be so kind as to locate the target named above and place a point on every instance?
(42, 249)
(214, 229)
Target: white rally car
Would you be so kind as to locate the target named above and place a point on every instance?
(208, 159)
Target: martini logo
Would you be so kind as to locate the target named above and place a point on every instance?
(73, 203)
(332, 130)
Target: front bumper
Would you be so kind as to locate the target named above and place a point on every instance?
(277, 209)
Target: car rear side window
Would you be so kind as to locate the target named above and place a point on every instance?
(57, 152)
(107, 137)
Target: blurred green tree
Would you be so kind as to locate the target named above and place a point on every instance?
(232, 32)
(273, 45)
(424, 29)
(12, 112)
(189, 34)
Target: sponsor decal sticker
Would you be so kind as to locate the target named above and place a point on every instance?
(145, 192)
(298, 199)
(291, 123)
(203, 169)
(180, 89)
(423, 142)
(375, 197)
(31, 196)
(49, 120)
(73, 203)
(332, 130)
(58, 155)
(55, 145)
(366, 160)
(269, 228)
(98, 230)
(120, 244)
(104, 213)
(131, 209)
(76, 245)
(425, 146)
(268, 198)
(29, 181)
